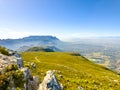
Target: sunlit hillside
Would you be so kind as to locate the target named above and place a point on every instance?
(73, 70)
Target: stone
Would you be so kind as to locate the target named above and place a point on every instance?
(20, 62)
(80, 88)
(37, 81)
(27, 73)
(33, 65)
(50, 82)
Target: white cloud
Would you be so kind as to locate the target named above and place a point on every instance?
(6, 33)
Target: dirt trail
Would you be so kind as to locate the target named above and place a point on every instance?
(67, 67)
(36, 58)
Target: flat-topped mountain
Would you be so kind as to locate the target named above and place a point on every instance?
(30, 41)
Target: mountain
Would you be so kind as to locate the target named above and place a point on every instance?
(30, 41)
(73, 70)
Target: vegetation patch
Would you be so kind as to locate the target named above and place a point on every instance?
(4, 51)
(11, 74)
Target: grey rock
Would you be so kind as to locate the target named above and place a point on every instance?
(80, 88)
(50, 82)
(37, 81)
(27, 73)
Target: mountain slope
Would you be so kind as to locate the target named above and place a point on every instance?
(73, 70)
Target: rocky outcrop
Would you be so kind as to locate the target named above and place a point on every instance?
(37, 81)
(50, 82)
(27, 73)
(32, 82)
(13, 58)
(6, 60)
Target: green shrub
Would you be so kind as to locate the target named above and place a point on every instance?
(11, 72)
(3, 82)
(11, 67)
(4, 51)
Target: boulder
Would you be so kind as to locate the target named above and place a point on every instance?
(50, 82)
(37, 81)
(80, 88)
(27, 73)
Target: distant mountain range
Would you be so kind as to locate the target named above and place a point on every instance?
(30, 41)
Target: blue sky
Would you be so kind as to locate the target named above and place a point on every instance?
(62, 18)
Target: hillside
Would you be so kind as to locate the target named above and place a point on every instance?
(73, 70)
(101, 50)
